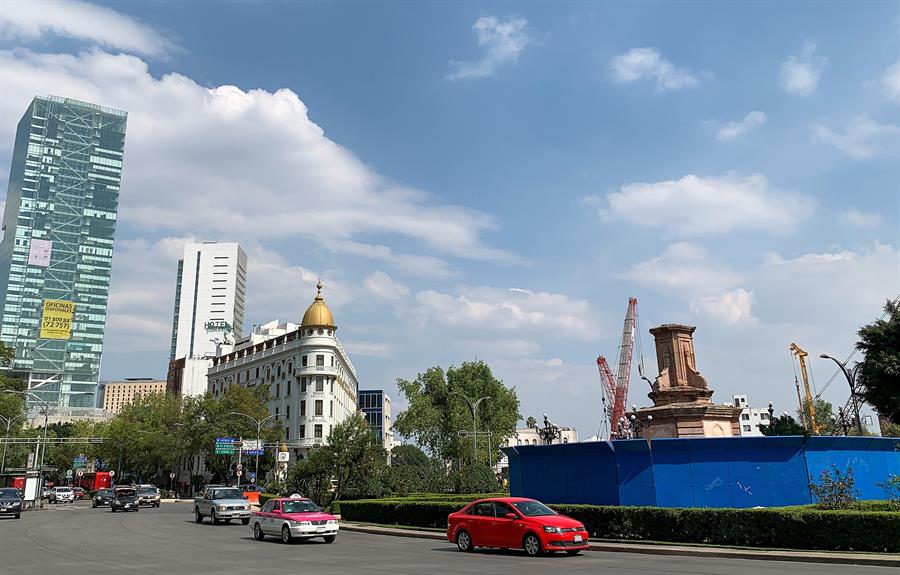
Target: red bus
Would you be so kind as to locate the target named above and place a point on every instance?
(93, 481)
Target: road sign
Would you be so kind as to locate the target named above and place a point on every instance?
(284, 456)
(462, 433)
(112, 473)
(30, 464)
(240, 466)
(172, 475)
(224, 450)
(228, 440)
(68, 473)
(80, 472)
(251, 476)
(239, 472)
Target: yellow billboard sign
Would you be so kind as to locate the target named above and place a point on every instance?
(57, 320)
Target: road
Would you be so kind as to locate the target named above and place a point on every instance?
(166, 541)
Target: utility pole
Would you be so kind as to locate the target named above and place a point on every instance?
(473, 407)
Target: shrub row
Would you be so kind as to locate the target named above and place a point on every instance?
(779, 528)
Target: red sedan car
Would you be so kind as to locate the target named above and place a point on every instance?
(515, 523)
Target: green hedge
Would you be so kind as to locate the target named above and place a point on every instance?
(793, 528)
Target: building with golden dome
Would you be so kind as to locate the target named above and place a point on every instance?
(312, 383)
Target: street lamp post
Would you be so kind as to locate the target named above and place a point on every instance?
(851, 381)
(473, 407)
(9, 421)
(550, 431)
(637, 426)
(259, 423)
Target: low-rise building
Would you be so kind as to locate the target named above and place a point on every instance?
(375, 406)
(118, 394)
(751, 417)
(312, 384)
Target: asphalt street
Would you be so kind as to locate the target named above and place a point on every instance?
(166, 541)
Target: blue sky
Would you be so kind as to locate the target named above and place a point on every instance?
(495, 179)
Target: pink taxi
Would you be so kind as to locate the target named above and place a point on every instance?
(293, 518)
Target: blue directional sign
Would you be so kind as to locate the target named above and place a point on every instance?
(224, 440)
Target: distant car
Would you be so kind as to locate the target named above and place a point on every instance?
(124, 499)
(293, 518)
(102, 498)
(79, 492)
(62, 495)
(253, 488)
(45, 493)
(148, 495)
(515, 523)
(10, 502)
(221, 504)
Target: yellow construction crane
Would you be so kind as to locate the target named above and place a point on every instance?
(810, 407)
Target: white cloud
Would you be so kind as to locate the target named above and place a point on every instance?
(502, 40)
(733, 130)
(242, 165)
(369, 348)
(854, 218)
(639, 63)
(382, 286)
(800, 73)
(81, 21)
(683, 268)
(488, 308)
(500, 347)
(890, 82)
(732, 307)
(426, 266)
(696, 205)
(863, 138)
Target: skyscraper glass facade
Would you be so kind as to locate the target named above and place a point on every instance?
(55, 258)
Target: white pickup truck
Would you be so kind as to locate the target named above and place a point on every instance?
(221, 504)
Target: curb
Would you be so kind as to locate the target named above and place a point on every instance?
(891, 560)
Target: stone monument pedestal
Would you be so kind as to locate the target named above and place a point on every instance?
(681, 396)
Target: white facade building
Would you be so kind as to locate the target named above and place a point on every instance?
(751, 417)
(530, 436)
(312, 383)
(209, 298)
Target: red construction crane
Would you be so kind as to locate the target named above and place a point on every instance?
(617, 390)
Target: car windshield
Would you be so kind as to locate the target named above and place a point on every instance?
(125, 493)
(147, 491)
(533, 508)
(63, 490)
(104, 492)
(228, 494)
(9, 493)
(299, 506)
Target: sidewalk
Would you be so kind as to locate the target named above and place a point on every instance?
(879, 560)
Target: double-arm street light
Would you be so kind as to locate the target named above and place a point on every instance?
(473, 407)
(850, 374)
(259, 423)
(8, 421)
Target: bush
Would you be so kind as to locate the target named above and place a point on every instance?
(796, 528)
(891, 488)
(835, 490)
(476, 479)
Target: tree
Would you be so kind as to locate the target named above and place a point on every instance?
(407, 454)
(437, 413)
(824, 417)
(11, 405)
(889, 429)
(878, 378)
(531, 423)
(784, 425)
(350, 444)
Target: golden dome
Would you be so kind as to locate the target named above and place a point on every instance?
(318, 314)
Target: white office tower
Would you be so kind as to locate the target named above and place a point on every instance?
(209, 309)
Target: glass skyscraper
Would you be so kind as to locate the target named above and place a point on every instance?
(56, 254)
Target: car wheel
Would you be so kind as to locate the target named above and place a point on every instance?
(212, 515)
(464, 541)
(157, 506)
(258, 532)
(532, 545)
(573, 551)
(330, 538)
(227, 521)
(286, 534)
(112, 509)
(197, 517)
(94, 505)
(18, 515)
(245, 521)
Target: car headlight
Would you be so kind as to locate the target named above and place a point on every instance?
(550, 529)
(332, 521)
(304, 523)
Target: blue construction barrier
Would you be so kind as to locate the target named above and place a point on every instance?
(736, 472)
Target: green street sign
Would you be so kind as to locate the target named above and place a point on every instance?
(224, 451)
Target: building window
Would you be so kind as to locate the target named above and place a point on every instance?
(331, 408)
(288, 392)
(318, 431)
(746, 428)
(302, 407)
(277, 390)
(320, 383)
(290, 368)
(319, 406)
(302, 385)
(257, 373)
(745, 416)
(301, 431)
(320, 361)
(287, 433)
(276, 412)
(304, 361)
(287, 411)
(278, 370)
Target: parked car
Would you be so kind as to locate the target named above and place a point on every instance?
(45, 493)
(515, 523)
(252, 488)
(293, 518)
(221, 504)
(10, 502)
(148, 495)
(62, 495)
(79, 492)
(124, 499)
(102, 498)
